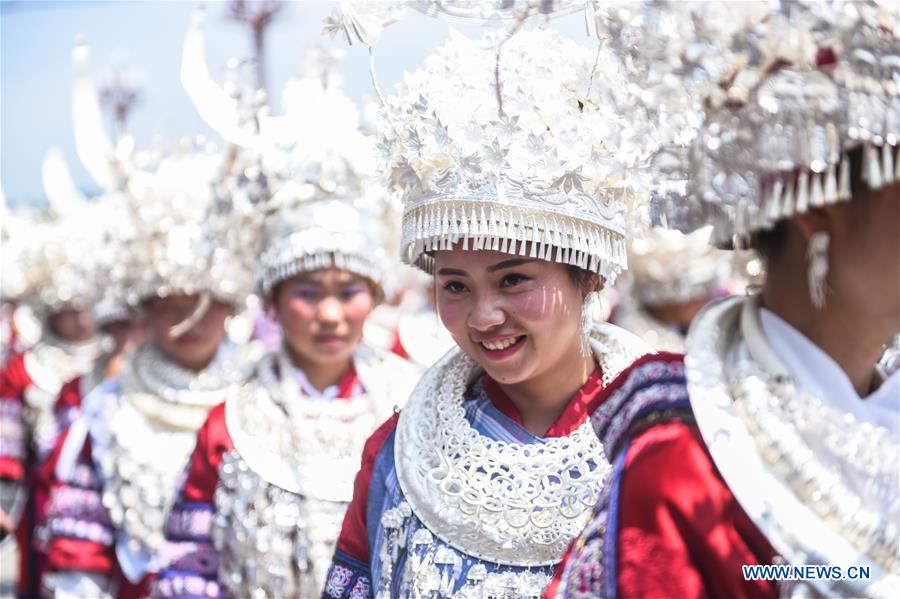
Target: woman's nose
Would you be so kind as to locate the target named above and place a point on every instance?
(329, 310)
(486, 314)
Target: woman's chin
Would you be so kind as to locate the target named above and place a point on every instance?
(330, 356)
(508, 374)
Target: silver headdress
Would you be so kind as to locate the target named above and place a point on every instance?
(670, 267)
(494, 11)
(13, 236)
(524, 153)
(774, 142)
(327, 208)
(60, 256)
(786, 94)
(309, 173)
(54, 258)
(169, 217)
(312, 235)
(109, 309)
(111, 300)
(180, 238)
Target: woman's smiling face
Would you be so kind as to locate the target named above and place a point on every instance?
(517, 317)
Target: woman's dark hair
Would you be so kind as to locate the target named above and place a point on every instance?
(580, 275)
(771, 242)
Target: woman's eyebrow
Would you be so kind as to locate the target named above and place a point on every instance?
(309, 281)
(449, 272)
(509, 264)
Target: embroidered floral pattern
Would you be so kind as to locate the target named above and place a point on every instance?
(347, 579)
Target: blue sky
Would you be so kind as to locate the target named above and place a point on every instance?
(36, 40)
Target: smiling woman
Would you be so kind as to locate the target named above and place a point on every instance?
(478, 485)
(520, 320)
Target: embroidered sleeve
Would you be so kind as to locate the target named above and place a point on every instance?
(188, 561)
(348, 578)
(12, 441)
(650, 391)
(349, 574)
(78, 530)
(13, 381)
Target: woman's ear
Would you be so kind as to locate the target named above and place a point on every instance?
(811, 222)
(269, 304)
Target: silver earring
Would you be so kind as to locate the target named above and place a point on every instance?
(587, 323)
(817, 268)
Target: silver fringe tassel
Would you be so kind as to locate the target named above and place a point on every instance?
(284, 269)
(797, 193)
(510, 230)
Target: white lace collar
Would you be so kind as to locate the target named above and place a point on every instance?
(448, 470)
(816, 372)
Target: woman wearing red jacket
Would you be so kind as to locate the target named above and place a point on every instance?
(774, 439)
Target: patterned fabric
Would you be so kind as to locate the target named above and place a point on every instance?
(186, 586)
(650, 392)
(78, 535)
(191, 562)
(14, 380)
(75, 509)
(347, 578)
(487, 418)
(30, 431)
(190, 521)
(79, 531)
(401, 546)
(653, 385)
(188, 562)
(12, 443)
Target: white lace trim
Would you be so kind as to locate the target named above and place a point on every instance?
(507, 503)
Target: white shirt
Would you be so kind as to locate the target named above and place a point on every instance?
(309, 390)
(818, 373)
